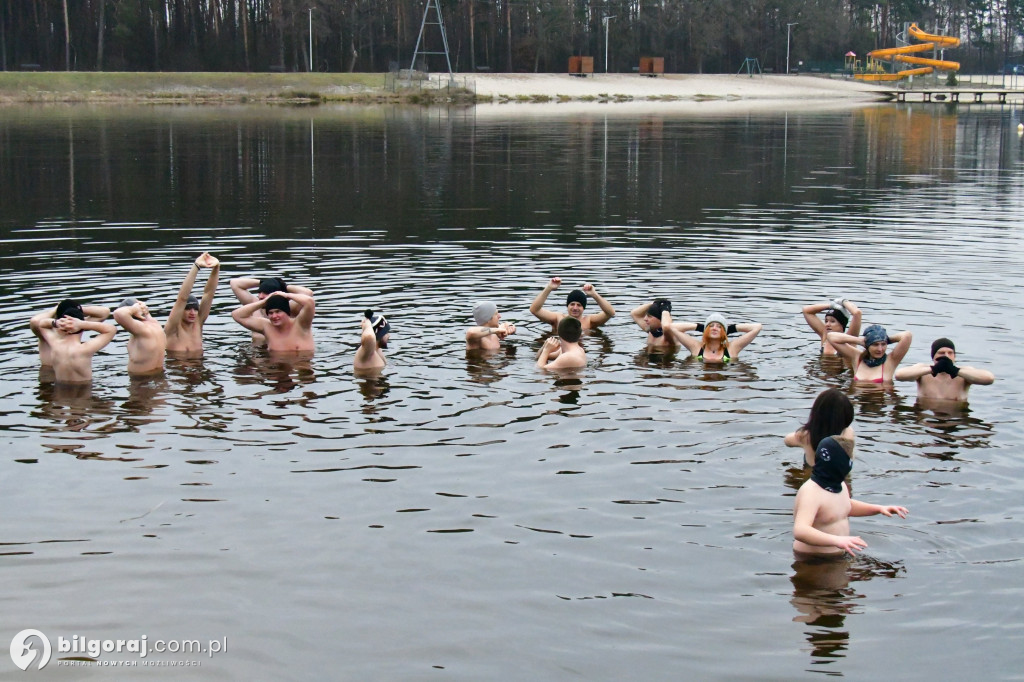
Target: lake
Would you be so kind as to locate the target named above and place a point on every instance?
(465, 516)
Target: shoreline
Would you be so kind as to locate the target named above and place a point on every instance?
(464, 89)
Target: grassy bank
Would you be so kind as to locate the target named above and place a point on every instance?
(215, 88)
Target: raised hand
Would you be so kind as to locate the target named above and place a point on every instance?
(205, 260)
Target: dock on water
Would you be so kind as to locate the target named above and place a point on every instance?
(955, 95)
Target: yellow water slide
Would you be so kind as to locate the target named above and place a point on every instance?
(903, 55)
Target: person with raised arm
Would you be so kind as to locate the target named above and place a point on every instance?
(943, 379)
(67, 353)
(874, 364)
(840, 315)
(375, 332)
(655, 318)
(147, 344)
(575, 302)
(285, 331)
(267, 286)
(45, 320)
(184, 326)
(714, 344)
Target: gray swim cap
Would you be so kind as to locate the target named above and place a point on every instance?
(716, 317)
(128, 302)
(192, 303)
(483, 312)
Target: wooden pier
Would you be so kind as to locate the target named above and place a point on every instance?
(977, 95)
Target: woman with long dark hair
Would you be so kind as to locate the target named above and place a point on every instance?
(831, 415)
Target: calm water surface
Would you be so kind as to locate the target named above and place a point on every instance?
(466, 517)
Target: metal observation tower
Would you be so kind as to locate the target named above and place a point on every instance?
(439, 22)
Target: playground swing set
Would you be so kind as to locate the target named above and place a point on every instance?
(875, 69)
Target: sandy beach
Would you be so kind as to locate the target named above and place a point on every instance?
(498, 89)
(669, 87)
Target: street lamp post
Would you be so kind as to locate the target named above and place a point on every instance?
(605, 20)
(788, 27)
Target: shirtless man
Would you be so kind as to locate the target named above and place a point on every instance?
(655, 318)
(91, 313)
(375, 334)
(267, 286)
(943, 380)
(575, 303)
(489, 331)
(148, 343)
(285, 331)
(184, 327)
(823, 507)
(563, 351)
(67, 353)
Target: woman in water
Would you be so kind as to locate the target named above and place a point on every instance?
(873, 364)
(841, 315)
(831, 415)
(714, 344)
(655, 318)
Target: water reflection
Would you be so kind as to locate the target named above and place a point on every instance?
(488, 366)
(825, 593)
(373, 385)
(940, 429)
(147, 398)
(280, 372)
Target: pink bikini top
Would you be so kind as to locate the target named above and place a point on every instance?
(879, 380)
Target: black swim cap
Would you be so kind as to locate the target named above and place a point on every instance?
(658, 306)
(577, 296)
(192, 303)
(942, 343)
(840, 316)
(278, 302)
(269, 285)
(832, 464)
(69, 308)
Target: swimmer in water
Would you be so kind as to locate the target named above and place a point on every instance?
(943, 379)
(69, 355)
(575, 303)
(184, 326)
(147, 344)
(873, 364)
(840, 315)
(563, 351)
(714, 345)
(655, 318)
(489, 331)
(287, 323)
(831, 415)
(266, 287)
(373, 339)
(44, 320)
(823, 506)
